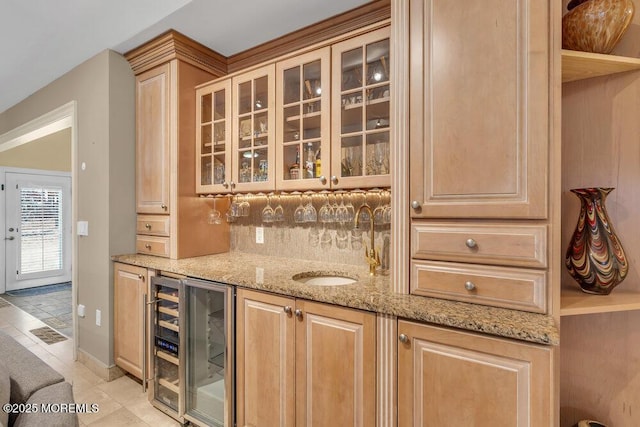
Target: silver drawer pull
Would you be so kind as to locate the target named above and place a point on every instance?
(415, 204)
(470, 286)
(403, 338)
(471, 244)
(147, 226)
(147, 245)
(164, 207)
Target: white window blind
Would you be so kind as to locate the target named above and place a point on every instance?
(42, 230)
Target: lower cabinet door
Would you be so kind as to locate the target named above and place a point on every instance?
(264, 360)
(300, 363)
(454, 378)
(129, 291)
(335, 366)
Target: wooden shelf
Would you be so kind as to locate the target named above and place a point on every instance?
(574, 302)
(585, 65)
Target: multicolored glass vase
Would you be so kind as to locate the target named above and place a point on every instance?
(595, 258)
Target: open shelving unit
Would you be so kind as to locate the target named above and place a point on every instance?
(579, 66)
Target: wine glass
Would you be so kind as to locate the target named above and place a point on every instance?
(278, 212)
(267, 212)
(341, 211)
(326, 211)
(378, 212)
(243, 208)
(298, 214)
(310, 214)
(214, 215)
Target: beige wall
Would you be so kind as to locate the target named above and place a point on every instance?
(51, 152)
(103, 88)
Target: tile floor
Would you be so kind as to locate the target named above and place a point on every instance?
(51, 304)
(121, 402)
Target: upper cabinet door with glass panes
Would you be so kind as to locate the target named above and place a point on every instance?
(253, 130)
(360, 111)
(213, 138)
(303, 121)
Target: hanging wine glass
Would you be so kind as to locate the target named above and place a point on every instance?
(278, 212)
(298, 214)
(267, 212)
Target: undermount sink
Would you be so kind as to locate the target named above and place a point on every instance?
(321, 279)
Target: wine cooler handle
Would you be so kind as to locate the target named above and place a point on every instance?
(144, 343)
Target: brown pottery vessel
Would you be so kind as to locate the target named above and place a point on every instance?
(596, 25)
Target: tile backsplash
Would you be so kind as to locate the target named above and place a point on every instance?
(318, 241)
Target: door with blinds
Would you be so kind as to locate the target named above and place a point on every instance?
(38, 230)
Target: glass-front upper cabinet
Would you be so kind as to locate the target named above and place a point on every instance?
(254, 129)
(361, 110)
(213, 138)
(303, 121)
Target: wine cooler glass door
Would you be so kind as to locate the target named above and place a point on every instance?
(209, 319)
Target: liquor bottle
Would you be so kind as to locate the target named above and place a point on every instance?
(310, 163)
(318, 171)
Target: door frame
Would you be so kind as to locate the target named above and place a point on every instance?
(65, 116)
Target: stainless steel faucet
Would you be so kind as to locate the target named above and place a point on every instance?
(372, 256)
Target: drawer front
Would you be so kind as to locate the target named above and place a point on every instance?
(151, 245)
(516, 288)
(153, 225)
(498, 244)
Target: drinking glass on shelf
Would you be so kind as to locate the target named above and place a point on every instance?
(379, 157)
(267, 212)
(298, 214)
(310, 214)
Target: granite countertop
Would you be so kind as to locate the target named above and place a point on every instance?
(273, 274)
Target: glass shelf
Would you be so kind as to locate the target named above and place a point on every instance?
(585, 65)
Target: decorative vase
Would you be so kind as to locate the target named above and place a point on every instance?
(595, 25)
(595, 258)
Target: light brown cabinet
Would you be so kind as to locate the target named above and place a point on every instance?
(301, 363)
(454, 378)
(310, 120)
(479, 109)
(360, 111)
(480, 131)
(167, 69)
(303, 121)
(130, 288)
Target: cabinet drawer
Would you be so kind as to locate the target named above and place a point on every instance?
(498, 244)
(154, 225)
(152, 245)
(516, 288)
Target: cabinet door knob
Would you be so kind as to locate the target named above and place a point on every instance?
(323, 180)
(471, 244)
(164, 207)
(288, 309)
(233, 184)
(403, 338)
(147, 226)
(141, 277)
(415, 204)
(470, 286)
(298, 313)
(225, 184)
(147, 245)
(334, 179)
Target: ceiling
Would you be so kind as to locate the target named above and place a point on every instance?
(44, 39)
